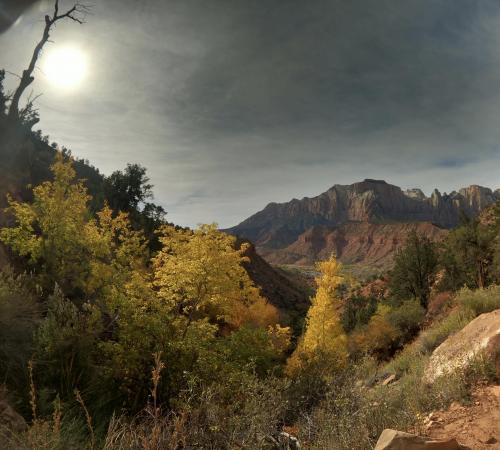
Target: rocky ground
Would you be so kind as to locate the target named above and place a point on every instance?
(476, 426)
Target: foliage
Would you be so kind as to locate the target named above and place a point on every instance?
(378, 337)
(357, 312)
(86, 257)
(388, 329)
(20, 315)
(199, 274)
(65, 345)
(414, 269)
(323, 339)
(470, 255)
(110, 307)
(479, 301)
(407, 319)
(130, 191)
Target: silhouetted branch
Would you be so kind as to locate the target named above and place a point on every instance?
(77, 13)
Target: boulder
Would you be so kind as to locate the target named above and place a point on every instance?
(481, 336)
(397, 440)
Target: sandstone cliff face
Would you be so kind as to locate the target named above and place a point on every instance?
(353, 243)
(362, 223)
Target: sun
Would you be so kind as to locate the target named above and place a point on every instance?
(65, 67)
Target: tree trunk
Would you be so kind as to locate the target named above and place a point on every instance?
(27, 77)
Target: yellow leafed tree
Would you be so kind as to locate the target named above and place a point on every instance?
(86, 256)
(324, 340)
(200, 274)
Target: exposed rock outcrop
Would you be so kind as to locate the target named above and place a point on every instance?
(397, 440)
(481, 336)
(301, 231)
(353, 243)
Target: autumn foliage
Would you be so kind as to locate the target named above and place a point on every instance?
(324, 338)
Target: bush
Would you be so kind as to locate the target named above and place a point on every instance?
(479, 301)
(244, 412)
(20, 314)
(407, 319)
(469, 304)
(378, 338)
(358, 312)
(437, 334)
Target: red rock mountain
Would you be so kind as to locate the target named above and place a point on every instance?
(362, 223)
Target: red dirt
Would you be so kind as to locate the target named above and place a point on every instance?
(476, 426)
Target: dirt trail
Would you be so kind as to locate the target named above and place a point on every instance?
(476, 426)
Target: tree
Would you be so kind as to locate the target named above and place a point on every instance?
(129, 191)
(200, 275)
(324, 340)
(125, 190)
(469, 256)
(76, 13)
(85, 256)
(414, 269)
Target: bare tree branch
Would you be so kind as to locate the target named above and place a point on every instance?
(77, 13)
(13, 74)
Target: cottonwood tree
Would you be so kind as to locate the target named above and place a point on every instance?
(77, 14)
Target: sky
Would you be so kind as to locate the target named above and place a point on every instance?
(232, 104)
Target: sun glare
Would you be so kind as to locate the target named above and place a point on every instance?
(65, 67)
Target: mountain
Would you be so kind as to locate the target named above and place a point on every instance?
(362, 223)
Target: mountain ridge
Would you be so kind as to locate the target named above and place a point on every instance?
(278, 229)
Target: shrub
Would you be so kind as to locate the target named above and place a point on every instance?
(244, 412)
(438, 304)
(20, 314)
(469, 304)
(358, 312)
(407, 319)
(437, 334)
(378, 338)
(479, 301)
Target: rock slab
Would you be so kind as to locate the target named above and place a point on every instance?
(398, 440)
(481, 336)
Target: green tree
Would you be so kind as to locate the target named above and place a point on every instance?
(470, 252)
(126, 190)
(414, 270)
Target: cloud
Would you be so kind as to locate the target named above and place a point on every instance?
(232, 104)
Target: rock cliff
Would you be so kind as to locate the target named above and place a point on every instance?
(362, 223)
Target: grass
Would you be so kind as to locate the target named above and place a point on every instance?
(350, 415)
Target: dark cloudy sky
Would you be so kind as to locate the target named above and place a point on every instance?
(231, 104)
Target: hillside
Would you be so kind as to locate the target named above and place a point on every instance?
(362, 223)
(353, 243)
(26, 158)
